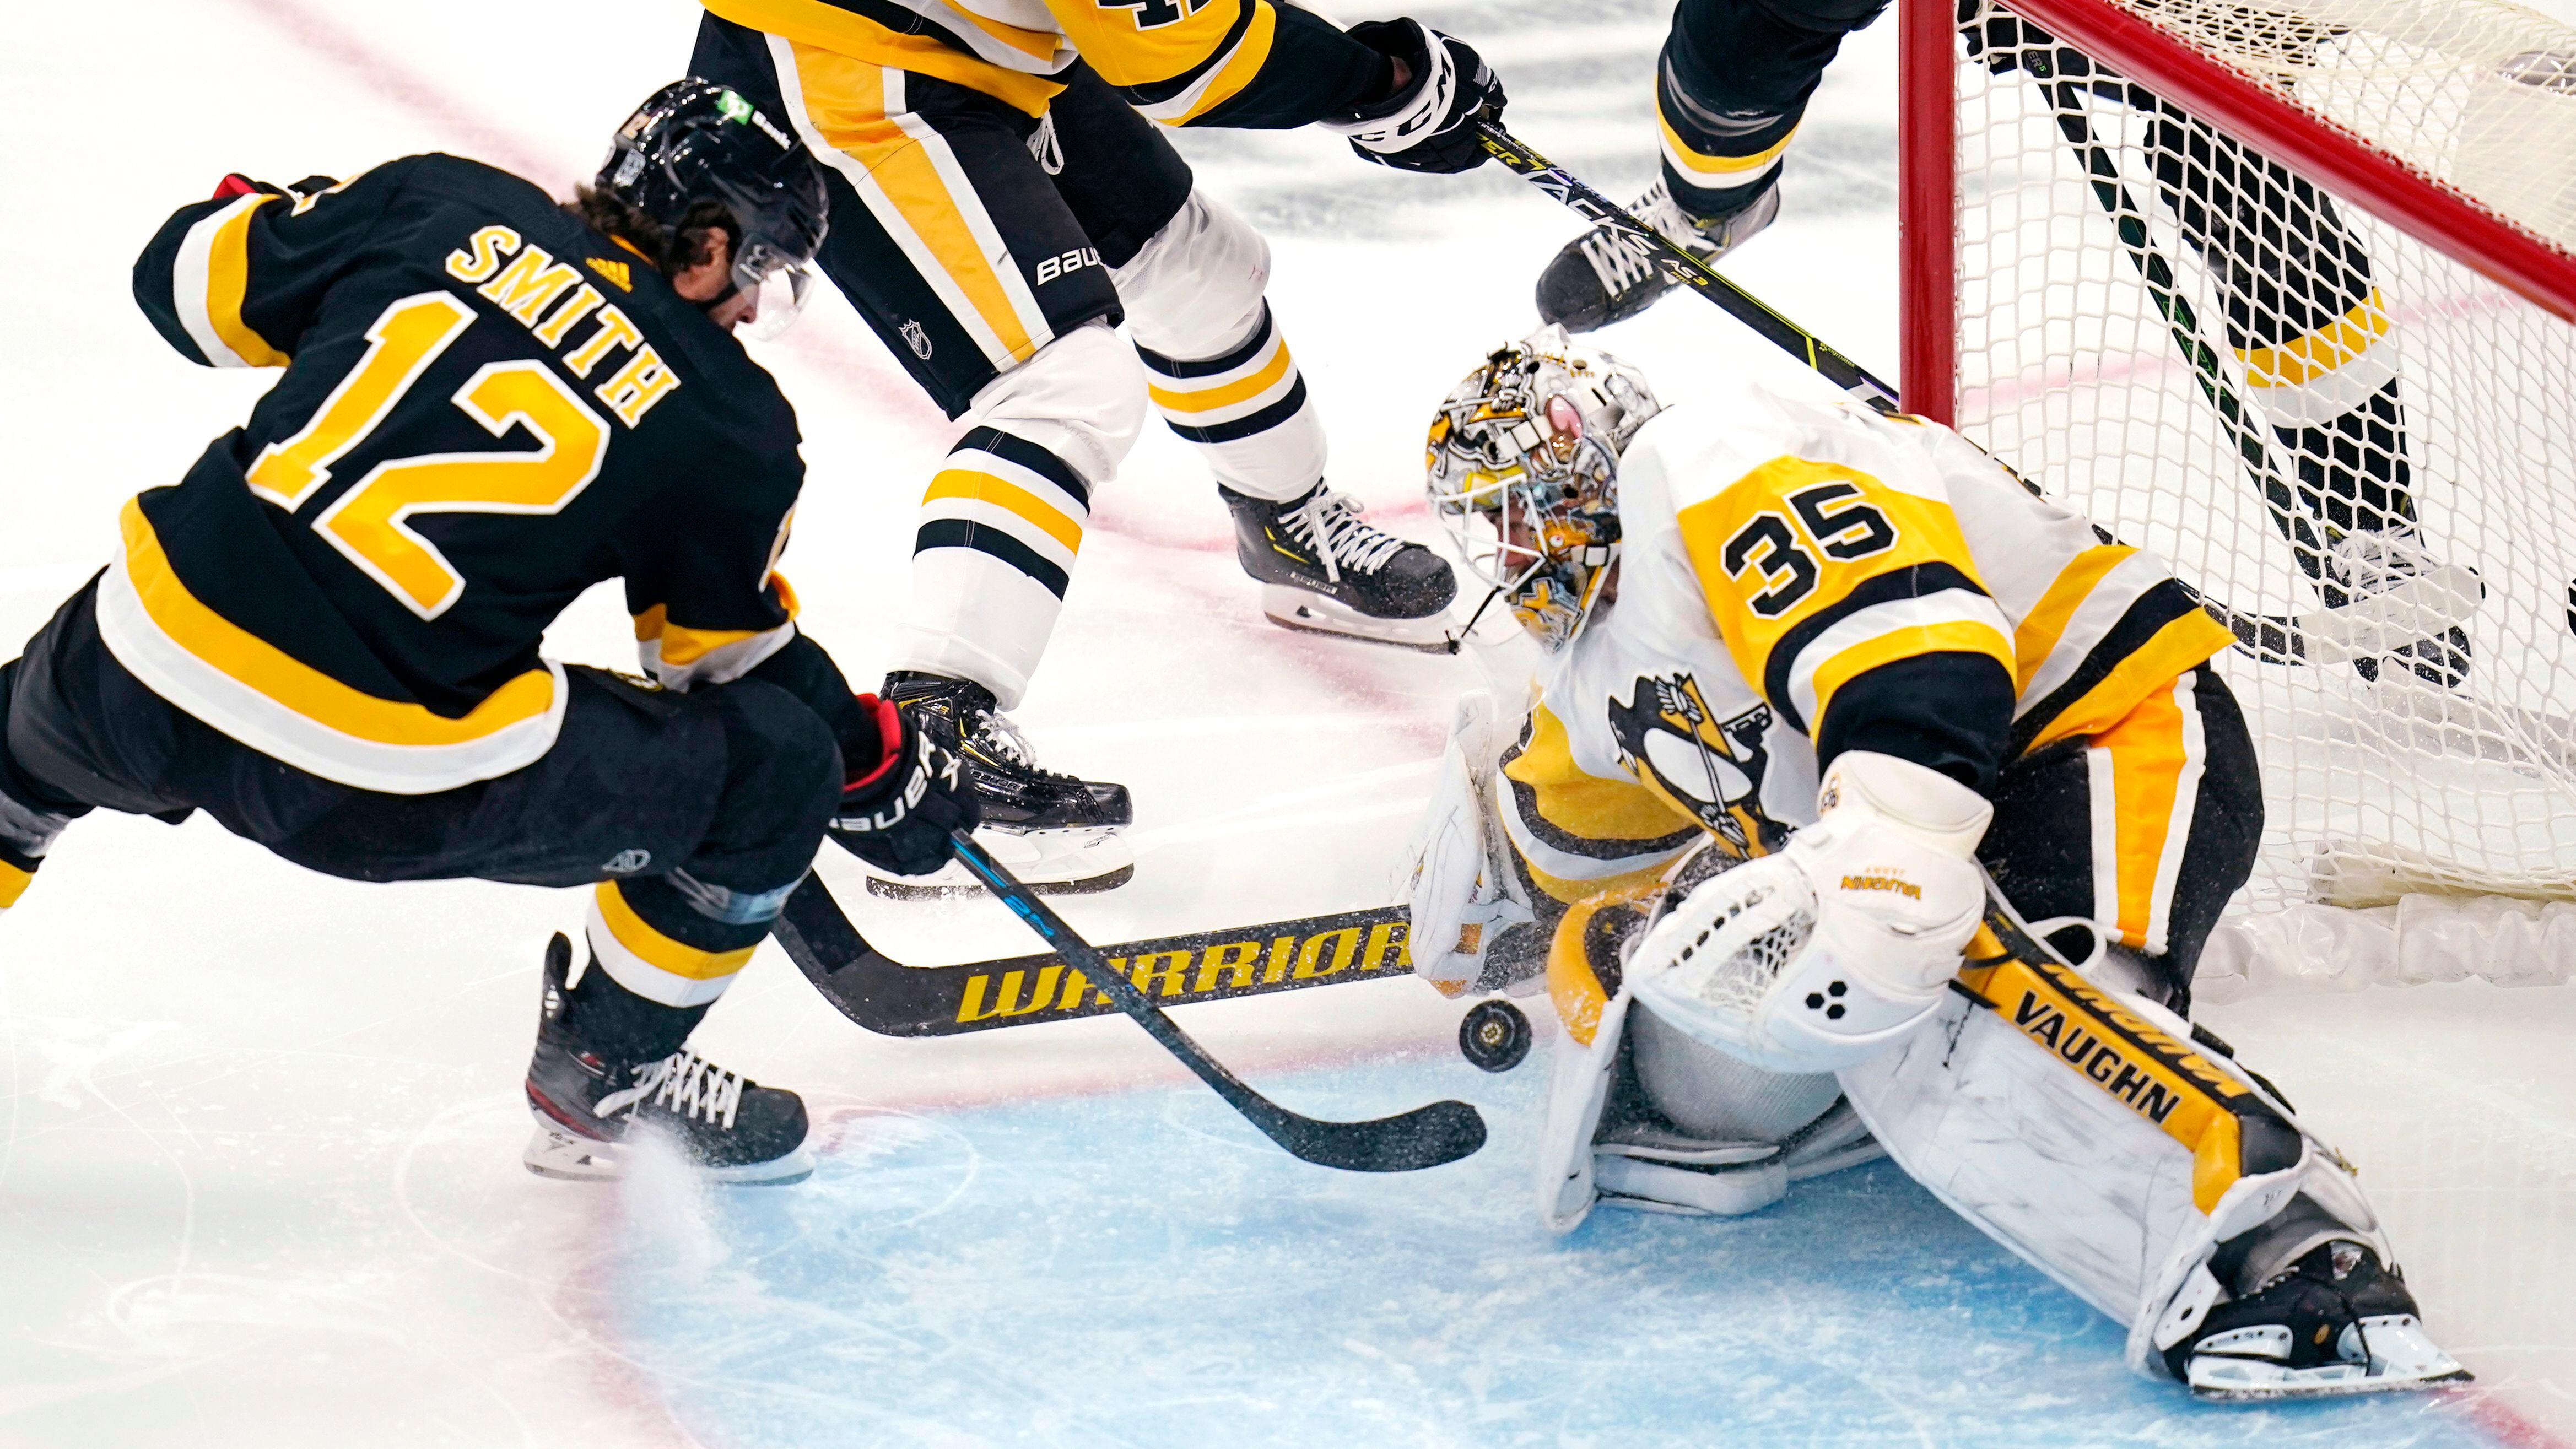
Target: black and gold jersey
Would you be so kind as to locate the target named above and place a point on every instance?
(487, 407)
(1797, 580)
(1245, 63)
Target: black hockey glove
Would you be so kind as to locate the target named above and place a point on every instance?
(898, 809)
(1423, 126)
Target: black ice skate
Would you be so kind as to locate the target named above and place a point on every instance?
(2333, 1322)
(589, 1106)
(2394, 567)
(1056, 832)
(1325, 570)
(1605, 276)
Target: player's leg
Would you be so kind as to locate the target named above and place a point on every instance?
(1731, 85)
(2169, 809)
(949, 236)
(1642, 1115)
(2076, 1116)
(1192, 276)
(668, 937)
(2302, 313)
(692, 814)
(691, 817)
(32, 816)
(2309, 327)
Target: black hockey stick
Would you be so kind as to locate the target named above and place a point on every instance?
(2333, 635)
(1689, 270)
(1407, 1142)
(893, 998)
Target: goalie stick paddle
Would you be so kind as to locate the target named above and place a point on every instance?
(1407, 1142)
(893, 998)
(2419, 609)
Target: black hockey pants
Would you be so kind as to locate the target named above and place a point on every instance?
(704, 808)
(1732, 83)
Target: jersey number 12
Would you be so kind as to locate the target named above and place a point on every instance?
(369, 523)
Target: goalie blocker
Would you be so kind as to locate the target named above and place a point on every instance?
(1826, 689)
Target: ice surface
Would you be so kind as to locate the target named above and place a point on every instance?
(258, 1165)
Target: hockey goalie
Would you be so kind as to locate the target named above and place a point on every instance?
(1869, 803)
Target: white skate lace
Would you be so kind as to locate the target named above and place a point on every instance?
(2374, 563)
(1331, 525)
(685, 1083)
(997, 738)
(1621, 261)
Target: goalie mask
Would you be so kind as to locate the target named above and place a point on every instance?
(1523, 471)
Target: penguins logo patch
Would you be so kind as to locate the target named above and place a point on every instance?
(1710, 767)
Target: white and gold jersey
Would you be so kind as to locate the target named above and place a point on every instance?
(1794, 575)
(1224, 62)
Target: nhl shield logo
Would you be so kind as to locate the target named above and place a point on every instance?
(917, 340)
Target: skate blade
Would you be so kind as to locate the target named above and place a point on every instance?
(1051, 862)
(1314, 614)
(2402, 1357)
(563, 1157)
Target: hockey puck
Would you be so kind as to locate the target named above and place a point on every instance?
(1494, 1035)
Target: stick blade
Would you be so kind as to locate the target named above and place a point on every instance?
(1407, 1142)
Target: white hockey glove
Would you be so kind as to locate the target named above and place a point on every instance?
(1456, 877)
(1812, 959)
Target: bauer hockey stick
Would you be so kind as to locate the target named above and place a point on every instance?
(1406, 1142)
(1689, 270)
(894, 998)
(2414, 610)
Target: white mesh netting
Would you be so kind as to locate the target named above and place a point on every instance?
(2302, 408)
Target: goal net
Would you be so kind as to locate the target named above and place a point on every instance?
(2285, 291)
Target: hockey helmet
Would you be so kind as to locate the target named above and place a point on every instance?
(1522, 467)
(693, 141)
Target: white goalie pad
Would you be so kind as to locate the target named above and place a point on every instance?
(1728, 1172)
(2084, 1186)
(1456, 876)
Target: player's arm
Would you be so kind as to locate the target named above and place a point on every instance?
(234, 280)
(710, 608)
(1852, 604)
(1400, 90)
(1516, 832)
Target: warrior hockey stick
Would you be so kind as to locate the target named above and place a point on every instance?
(1407, 1142)
(2418, 609)
(892, 998)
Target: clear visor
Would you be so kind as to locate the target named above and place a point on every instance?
(776, 285)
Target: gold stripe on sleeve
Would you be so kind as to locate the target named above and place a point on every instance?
(228, 284)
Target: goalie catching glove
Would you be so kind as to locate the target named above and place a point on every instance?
(907, 790)
(1812, 959)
